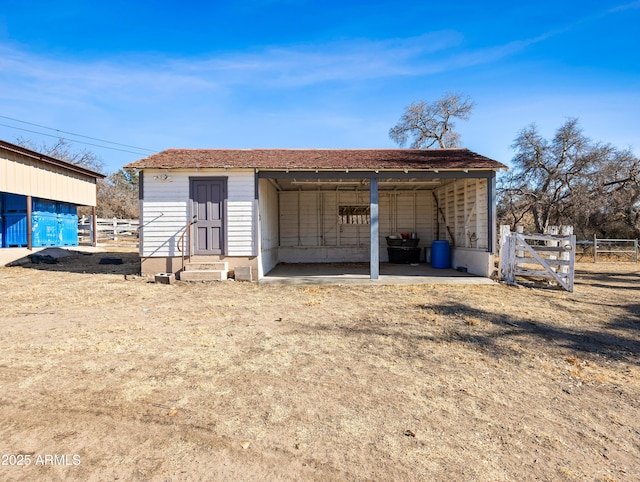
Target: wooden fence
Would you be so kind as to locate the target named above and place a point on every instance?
(549, 256)
(111, 232)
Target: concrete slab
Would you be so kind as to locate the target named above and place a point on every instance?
(358, 273)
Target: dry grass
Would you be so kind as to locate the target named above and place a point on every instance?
(235, 380)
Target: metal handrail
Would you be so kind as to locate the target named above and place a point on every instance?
(186, 229)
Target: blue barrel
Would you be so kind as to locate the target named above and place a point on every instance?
(440, 257)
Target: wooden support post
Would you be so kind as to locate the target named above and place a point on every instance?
(552, 231)
(491, 212)
(565, 254)
(374, 256)
(519, 251)
(595, 248)
(570, 255)
(29, 224)
(510, 257)
(94, 227)
(505, 231)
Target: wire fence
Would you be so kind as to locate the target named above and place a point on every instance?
(615, 250)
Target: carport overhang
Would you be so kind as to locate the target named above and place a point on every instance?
(375, 178)
(35, 175)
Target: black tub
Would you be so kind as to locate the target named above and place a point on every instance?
(405, 243)
(403, 255)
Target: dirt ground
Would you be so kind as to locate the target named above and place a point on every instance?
(104, 378)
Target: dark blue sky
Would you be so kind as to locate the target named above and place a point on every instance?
(314, 74)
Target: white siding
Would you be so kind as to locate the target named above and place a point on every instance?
(310, 220)
(424, 217)
(164, 214)
(464, 211)
(166, 210)
(482, 216)
(330, 226)
(353, 234)
(309, 232)
(268, 215)
(241, 213)
(405, 212)
(289, 220)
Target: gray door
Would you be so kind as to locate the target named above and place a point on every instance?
(208, 197)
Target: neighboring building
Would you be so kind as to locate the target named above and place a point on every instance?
(39, 196)
(256, 208)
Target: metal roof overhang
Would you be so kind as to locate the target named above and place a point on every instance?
(68, 166)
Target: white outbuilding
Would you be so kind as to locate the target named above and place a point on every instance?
(249, 210)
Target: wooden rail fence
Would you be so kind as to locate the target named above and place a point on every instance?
(114, 232)
(532, 256)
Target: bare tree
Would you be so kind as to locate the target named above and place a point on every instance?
(545, 173)
(118, 195)
(64, 150)
(430, 124)
(618, 194)
(571, 180)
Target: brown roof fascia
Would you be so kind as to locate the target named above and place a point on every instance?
(49, 160)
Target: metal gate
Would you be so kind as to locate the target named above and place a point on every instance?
(619, 248)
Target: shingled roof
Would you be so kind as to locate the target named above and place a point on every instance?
(317, 159)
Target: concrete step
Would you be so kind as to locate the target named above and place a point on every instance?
(203, 275)
(203, 266)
